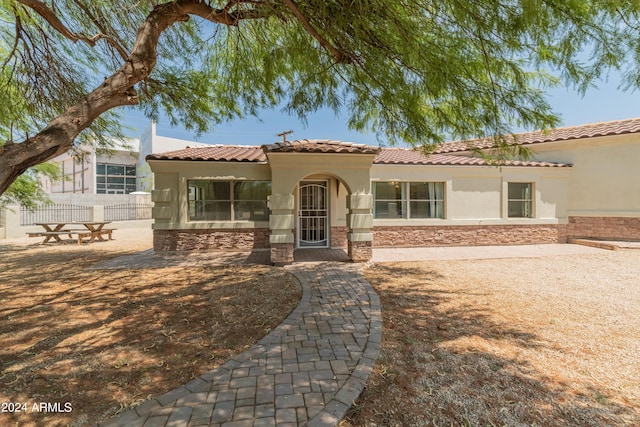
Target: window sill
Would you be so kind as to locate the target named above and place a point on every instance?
(465, 222)
(228, 225)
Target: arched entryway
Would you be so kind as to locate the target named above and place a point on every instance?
(313, 222)
(320, 189)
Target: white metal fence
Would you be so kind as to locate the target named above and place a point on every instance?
(127, 212)
(61, 212)
(54, 213)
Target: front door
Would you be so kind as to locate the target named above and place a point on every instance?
(313, 215)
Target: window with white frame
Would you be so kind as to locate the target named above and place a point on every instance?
(520, 200)
(115, 179)
(213, 200)
(408, 200)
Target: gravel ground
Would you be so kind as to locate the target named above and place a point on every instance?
(579, 305)
(123, 238)
(105, 341)
(478, 252)
(586, 305)
(552, 340)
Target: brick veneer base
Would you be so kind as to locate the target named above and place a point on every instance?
(360, 251)
(604, 228)
(281, 253)
(339, 237)
(475, 235)
(211, 239)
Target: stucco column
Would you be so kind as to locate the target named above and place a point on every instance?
(12, 222)
(360, 221)
(281, 224)
(97, 213)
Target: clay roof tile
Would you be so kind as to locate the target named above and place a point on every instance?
(591, 130)
(221, 153)
(319, 146)
(403, 156)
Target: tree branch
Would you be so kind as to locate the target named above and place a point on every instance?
(222, 16)
(340, 56)
(116, 90)
(50, 16)
(15, 42)
(103, 30)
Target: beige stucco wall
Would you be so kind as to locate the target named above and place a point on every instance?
(347, 174)
(605, 178)
(172, 176)
(473, 195)
(477, 195)
(290, 168)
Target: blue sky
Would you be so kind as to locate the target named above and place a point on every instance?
(604, 103)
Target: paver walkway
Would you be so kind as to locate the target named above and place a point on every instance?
(307, 371)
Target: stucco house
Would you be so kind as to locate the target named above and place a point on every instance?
(582, 182)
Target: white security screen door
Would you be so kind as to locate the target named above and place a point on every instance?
(313, 214)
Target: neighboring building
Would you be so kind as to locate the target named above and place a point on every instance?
(120, 170)
(584, 182)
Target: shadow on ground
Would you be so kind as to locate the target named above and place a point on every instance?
(447, 359)
(105, 340)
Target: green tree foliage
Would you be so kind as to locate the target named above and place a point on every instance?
(27, 190)
(408, 70)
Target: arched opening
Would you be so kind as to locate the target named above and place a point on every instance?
(321, 220)
(321, 199)
(321, 212)
(313, 225)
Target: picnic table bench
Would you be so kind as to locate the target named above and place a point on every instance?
(92, 230)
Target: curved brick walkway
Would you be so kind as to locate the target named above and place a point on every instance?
(307, 371)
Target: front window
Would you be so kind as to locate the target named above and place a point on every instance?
(115, 179)
(520, 203)
(250, 200)
(408, 200)
(211, 200)
(390, 200)
(426, 199)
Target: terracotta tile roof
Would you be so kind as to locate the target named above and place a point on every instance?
(618, 127)
(215, 153)
(319, 146)
(387, 156)
(403, 156)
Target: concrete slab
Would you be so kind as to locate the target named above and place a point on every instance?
(478, 252)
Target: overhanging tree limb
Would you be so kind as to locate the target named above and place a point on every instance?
(117, 90)
(340, 56)
(413, 71)
(50, 16)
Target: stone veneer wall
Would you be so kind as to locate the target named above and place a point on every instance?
(281, 253)
(339, 237)
(614, 228)
(604, 228)
(211, 239)
(360, 251)
(460, 235)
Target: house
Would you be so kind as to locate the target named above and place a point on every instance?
(582, 181)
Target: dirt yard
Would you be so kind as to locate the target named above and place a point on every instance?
(508, 342)
(89, 343)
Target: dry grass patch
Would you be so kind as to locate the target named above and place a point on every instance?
(511, 342)
(105, 341)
